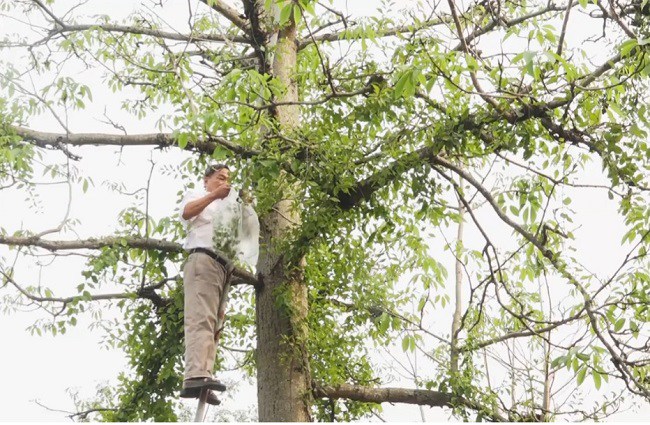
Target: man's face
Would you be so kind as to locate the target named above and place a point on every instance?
(217, 179)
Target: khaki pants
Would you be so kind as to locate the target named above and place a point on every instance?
(205, 283)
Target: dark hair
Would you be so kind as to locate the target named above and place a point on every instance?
(214, 168)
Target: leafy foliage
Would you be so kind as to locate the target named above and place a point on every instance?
(410, 124)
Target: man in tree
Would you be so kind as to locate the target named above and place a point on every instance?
(205, 276)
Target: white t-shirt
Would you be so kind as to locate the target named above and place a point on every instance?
(199, 227)
(225, 226)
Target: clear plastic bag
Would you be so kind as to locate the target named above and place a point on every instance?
(236, 230)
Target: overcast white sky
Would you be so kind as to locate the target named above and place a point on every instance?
(42, 368)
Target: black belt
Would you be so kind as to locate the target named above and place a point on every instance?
(219, 259)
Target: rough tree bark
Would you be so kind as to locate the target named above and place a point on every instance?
(283, 381)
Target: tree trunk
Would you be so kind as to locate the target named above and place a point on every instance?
(458, 311)
(283, 389)
(283, 381)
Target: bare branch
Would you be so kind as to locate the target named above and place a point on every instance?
(397, 395)
(92, 243)
(206, 146)
(465, 47)
(564, 27)
(616, 18)
(145, 293)
(385, 395)
(82, 415)
(148, 31)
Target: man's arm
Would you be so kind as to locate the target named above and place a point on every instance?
(194, 208)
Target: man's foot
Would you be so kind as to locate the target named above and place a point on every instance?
(206, 382)
(196, 392)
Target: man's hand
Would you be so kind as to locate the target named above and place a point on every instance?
(221, 191)
(194, 208)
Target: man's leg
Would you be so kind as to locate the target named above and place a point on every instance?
(221, 314)
(203, 285)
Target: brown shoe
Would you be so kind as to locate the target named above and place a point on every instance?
(196, 393)
(205, 382)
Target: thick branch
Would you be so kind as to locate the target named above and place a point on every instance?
(242, 276)
(396, 395)
(148, 31)
(229, 13)
(366, 188)
(92, 243)
(207, 146)
(385, 395)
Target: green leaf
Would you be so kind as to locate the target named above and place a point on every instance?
(528, 57)
(619, 324)
(597, 379)
(580, 377)
(183, 138)
(297, 14)
(309, 6)
(627, 47)
(614, 107)
(384, 322)
(402, 84)
(557, 361)
(285, 14)
(422, 303)
(406, 343)
(471, 62)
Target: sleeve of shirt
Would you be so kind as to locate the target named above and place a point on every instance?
(190, 196)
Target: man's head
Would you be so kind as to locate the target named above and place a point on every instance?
(215, 176)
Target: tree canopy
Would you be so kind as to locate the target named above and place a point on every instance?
(414, 170)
